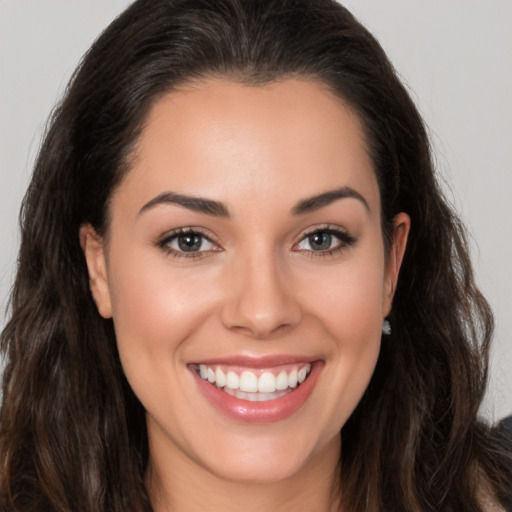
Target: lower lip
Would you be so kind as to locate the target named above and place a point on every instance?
(260, 412)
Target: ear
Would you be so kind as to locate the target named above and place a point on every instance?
(94, 251)
(401, 227)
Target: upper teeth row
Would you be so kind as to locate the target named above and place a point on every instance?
(248, 381)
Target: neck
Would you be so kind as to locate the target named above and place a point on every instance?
(184, 486)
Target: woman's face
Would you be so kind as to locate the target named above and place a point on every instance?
(245, 272)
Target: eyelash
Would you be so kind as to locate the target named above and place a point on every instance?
(165, 242)
(345, 240)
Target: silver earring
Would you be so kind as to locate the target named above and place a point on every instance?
(386, 327)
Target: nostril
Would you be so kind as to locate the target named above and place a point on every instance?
(263, 322)
(258, 300)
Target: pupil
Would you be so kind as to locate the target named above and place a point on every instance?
(190, 243)
(320, 241)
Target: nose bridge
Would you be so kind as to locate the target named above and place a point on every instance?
(261, 300)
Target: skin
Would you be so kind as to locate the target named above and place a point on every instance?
(257, 289)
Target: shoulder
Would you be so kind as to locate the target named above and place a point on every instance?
(493, 467)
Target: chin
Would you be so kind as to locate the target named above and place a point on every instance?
(258, 465)
(271, 454)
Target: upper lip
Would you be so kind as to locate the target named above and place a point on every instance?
(250, 361)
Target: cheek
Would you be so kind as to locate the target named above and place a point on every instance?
(156, 307)
(349, 298)
(357, 327)
(347, 303)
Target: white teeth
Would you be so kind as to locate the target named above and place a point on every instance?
(248, 382)
(267, 383)
(249, 386)
(220, 378)
(292, 378)
(232, 380)
(282, 381)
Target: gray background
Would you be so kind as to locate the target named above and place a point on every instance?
(455, 56)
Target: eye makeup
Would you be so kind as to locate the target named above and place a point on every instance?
(325, 241)
(189, 242)
(192, 242)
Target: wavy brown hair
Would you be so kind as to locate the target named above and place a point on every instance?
(72, 433)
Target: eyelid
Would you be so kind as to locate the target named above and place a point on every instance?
(344, 236)
(163, 242)
(346, 240)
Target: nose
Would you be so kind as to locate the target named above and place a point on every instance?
(261, 300)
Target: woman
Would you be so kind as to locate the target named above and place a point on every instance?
(233, 248)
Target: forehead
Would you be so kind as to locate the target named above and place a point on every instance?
(223, 139)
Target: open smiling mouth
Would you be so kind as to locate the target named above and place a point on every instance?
(257, 391)
(255, 385)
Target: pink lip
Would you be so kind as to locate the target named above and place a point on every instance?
(257, 362)
(259, 412)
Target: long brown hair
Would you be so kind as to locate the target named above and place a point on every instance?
(72, 433)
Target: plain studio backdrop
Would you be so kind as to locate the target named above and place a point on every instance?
(454, 55)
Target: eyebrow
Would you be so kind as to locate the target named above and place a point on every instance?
(218, 209)
(314, 203)
(198, 204)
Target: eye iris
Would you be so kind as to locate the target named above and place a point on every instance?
(190, 242)
(320, 241)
